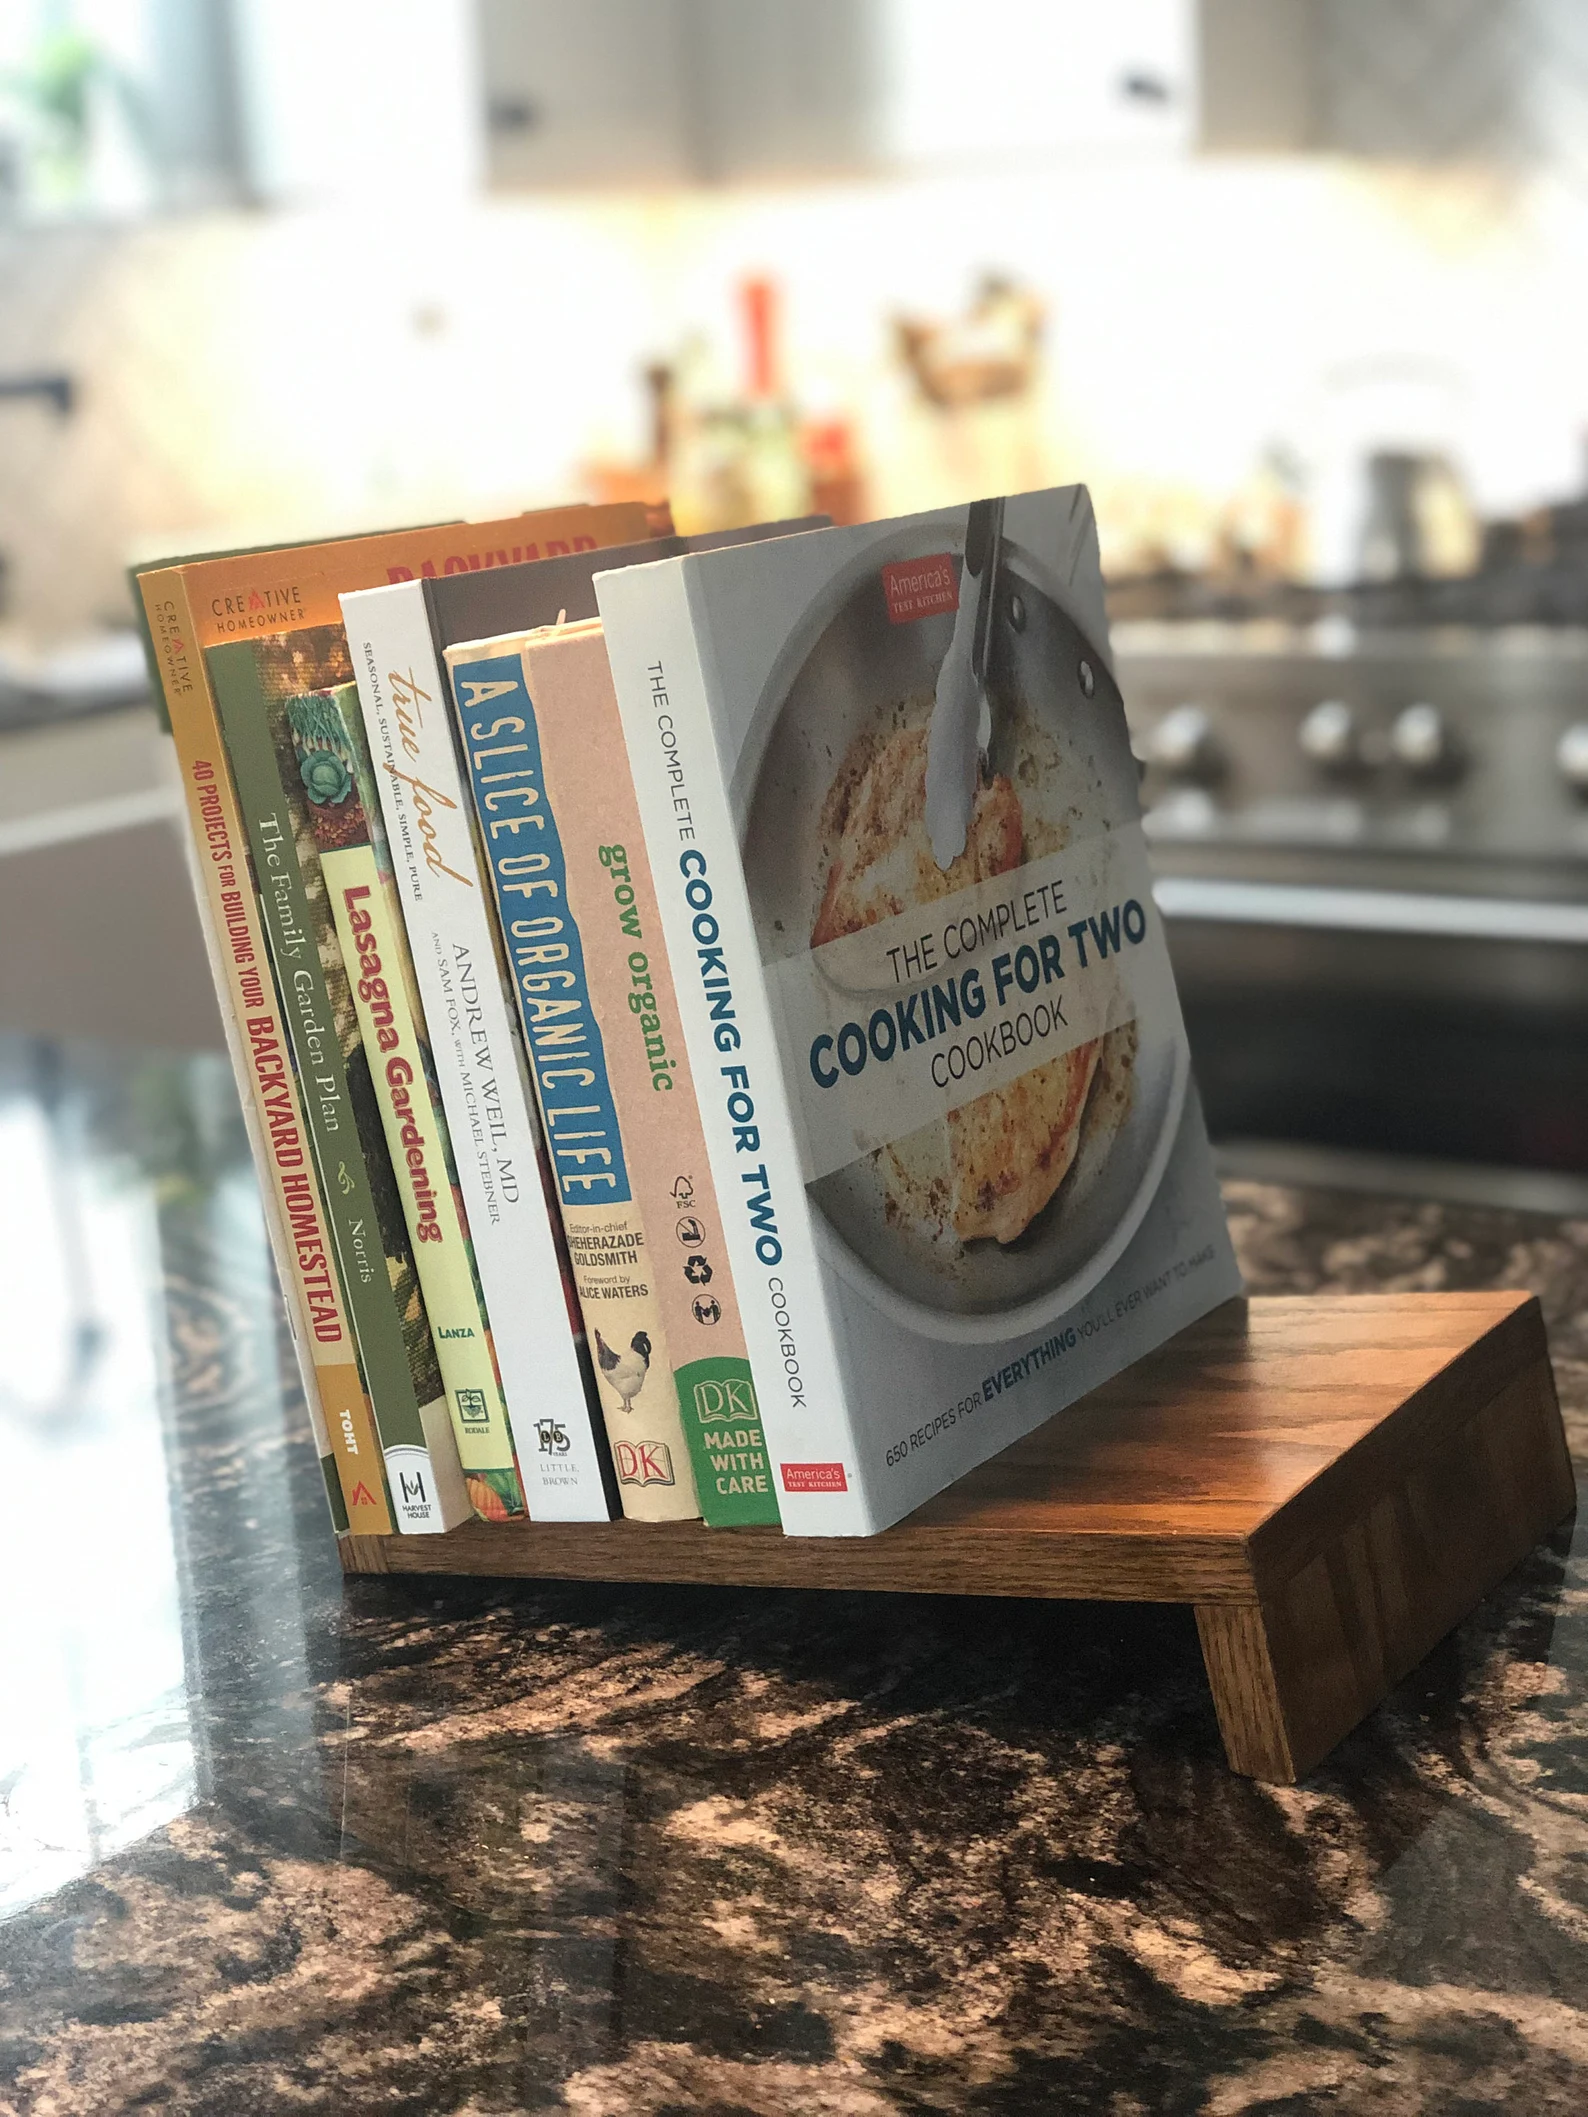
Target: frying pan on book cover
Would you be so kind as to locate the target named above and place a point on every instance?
(1058, 731)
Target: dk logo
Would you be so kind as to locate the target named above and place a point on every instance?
(643, 1462)
(731, 1397)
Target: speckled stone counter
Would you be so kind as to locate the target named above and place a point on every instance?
(486, 1849)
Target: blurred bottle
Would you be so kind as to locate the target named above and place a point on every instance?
(1263, 529)
(743, 460)
(837, 484)
(647, 481)
(725, 461)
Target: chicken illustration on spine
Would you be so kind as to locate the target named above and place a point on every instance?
(625, 1371)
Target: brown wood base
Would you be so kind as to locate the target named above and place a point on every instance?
(1332, 1482)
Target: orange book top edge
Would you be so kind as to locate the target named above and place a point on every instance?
(279, 591)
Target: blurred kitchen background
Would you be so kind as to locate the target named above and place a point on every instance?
(1298, 287)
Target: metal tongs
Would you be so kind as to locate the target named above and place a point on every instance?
(961, 730)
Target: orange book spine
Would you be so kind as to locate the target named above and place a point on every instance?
(339, 1408)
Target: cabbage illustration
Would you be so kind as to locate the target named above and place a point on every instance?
(326, 777)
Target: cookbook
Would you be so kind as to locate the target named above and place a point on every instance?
(377, 1386)
(320, 748)
(480, 1066)
(890, 804)
(666, 1265)
(364, 1206)
(550, 922)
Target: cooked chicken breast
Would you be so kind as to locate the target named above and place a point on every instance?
(1010, 1150)
(884, 864)
(1007, 1152)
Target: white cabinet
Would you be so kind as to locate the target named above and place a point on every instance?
(1416, 81)
(590, 93)
(580, 91)
(1016, 80)
(369, 101)
(629, 91)
(783, 87)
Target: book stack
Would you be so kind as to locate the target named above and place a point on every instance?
(703, 1026)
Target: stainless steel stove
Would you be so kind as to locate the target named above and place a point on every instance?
(1373, 860)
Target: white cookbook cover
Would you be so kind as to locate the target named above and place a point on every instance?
(892, 810)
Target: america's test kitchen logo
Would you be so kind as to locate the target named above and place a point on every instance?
(920, 587)
(813, 1477)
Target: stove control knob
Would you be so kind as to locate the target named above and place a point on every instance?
(1184, 745)
(1571, 754)
(1421, 742)
(1329, 735)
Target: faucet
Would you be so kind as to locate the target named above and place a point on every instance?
(59, 390)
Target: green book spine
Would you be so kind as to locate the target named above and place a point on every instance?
(362, 1203)
(325, 755)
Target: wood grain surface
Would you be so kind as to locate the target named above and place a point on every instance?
(1333, 1482)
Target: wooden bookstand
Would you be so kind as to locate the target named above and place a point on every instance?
(1332, 1482)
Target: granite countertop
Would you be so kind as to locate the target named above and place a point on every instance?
(269, 1842)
